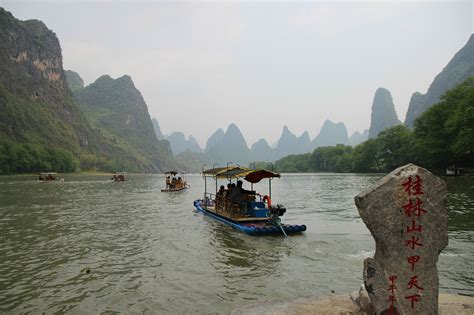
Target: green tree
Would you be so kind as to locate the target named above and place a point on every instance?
(365, 157)
(332, 159)
(295, 163)
(395, 147)
(445, 132)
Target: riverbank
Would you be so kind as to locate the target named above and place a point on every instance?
(342, 304)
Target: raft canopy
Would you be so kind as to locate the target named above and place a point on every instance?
(215, 171)
(250, 175)
(174, 172)
(258, 175)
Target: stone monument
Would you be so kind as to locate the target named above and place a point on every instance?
(406, 214)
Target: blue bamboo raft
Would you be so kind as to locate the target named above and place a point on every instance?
(257, 227)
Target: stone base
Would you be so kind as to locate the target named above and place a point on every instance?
(343, 305)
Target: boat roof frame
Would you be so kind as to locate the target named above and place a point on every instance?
(236, 172)
(175, 172)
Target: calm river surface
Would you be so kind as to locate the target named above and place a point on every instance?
(150, 252)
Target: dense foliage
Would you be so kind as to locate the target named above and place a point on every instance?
(443, 136)
(29, 158)
(445, 132)
(459, 69)
(117, 110)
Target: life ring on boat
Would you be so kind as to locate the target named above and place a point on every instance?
(268, 200)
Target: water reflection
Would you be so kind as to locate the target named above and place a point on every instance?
(236, 249)
(461, 206)
(146, 249)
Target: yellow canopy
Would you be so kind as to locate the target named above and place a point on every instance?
(215, 171)
(253, 176)
(236, 172)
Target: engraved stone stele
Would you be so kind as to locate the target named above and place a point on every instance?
(406, 214)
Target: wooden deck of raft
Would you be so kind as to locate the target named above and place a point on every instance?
(236, 217)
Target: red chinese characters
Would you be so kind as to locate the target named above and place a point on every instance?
(412, 260)
(413, 187)
(413, 209)
(413, 242)
(391, 298)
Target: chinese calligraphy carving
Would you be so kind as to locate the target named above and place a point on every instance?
(406, 214)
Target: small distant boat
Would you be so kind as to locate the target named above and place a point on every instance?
(49, 177)
(456, 171)
(119, 177)
(175, 181)
(243, 209)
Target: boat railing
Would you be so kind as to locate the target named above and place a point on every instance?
(209, 199)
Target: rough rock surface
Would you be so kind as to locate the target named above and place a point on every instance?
(342, 304)
(362, 299)
(407, 216)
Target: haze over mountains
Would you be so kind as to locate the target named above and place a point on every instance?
(459, 68)
(106, 125)
(383, 115)
(222, 147)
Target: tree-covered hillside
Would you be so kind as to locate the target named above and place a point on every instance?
(443, 136)
(117, 109)
(41, 126)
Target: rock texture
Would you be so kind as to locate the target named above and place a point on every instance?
(361, 298)
(331, 134)
(35, 102)
(456, 71)
(342, 305)
(383, 113)
(406, 214)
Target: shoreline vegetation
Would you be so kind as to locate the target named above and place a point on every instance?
(442, 136)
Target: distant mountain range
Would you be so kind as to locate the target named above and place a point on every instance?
(230, 146)
(358, 137)
(180, 144)
(106, 125)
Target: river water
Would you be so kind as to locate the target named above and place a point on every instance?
(150, 252)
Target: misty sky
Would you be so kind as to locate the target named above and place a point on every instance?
(262, 65)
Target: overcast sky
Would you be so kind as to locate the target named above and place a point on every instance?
(261, 65)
